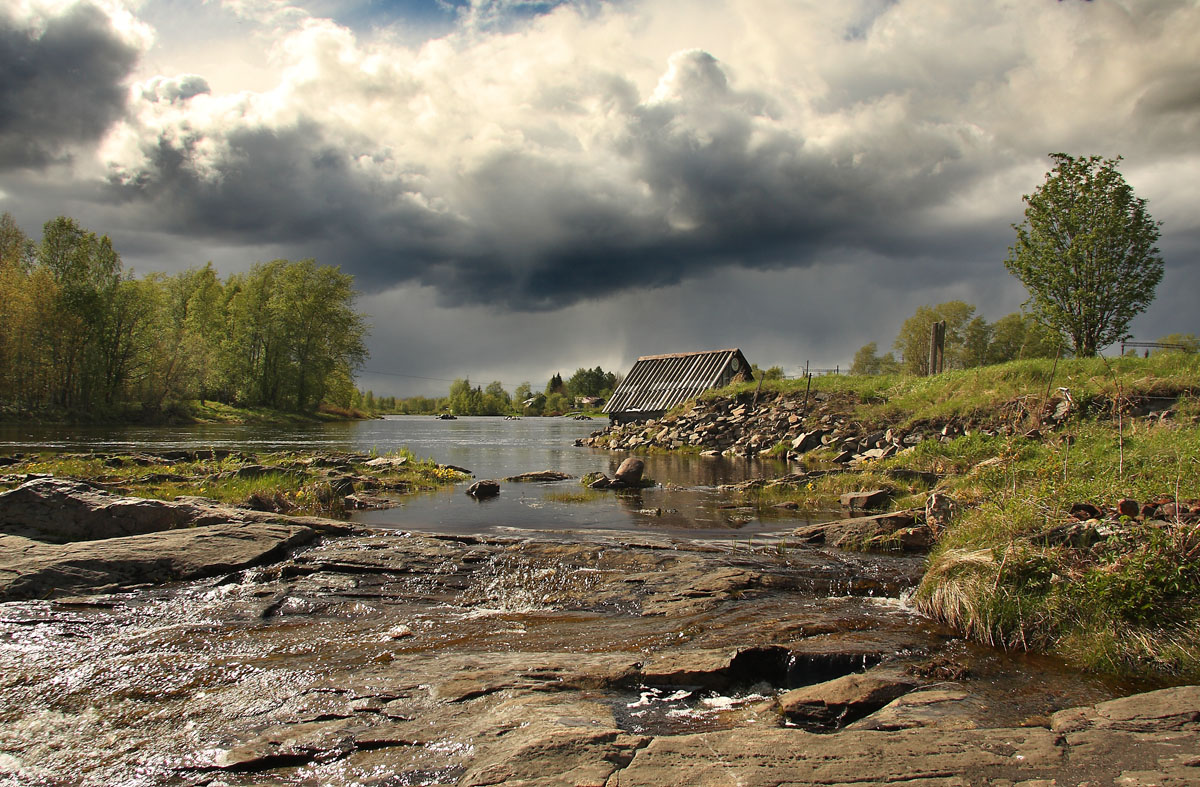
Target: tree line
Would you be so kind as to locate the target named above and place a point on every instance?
(80, 333)
(557, 398)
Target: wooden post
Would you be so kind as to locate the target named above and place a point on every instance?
(937, 347)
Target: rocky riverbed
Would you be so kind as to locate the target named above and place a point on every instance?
(351, 656)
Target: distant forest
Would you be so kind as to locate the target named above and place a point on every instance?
(80, 334)
(576, 393)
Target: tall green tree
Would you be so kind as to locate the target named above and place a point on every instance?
(1086, 252)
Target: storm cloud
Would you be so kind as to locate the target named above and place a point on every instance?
(511, 169)
(594, 162)
(61, 83)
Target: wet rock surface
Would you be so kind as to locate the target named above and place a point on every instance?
(388, 658)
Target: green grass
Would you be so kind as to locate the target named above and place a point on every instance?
(1009, 391)
(1129, 604)
(574, 496)
(304, 488)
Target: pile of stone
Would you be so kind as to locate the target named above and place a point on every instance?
(1089, 524)
(741, 426)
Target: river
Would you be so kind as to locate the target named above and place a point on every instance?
(685, 503)
(528, 637)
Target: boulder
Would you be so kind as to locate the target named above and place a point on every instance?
(882, 531)
(59, 511)
(484, 489)
(865, 500)
(33, 569)
(939, 510)
(630, 471)
(808, 441)
(838, 702)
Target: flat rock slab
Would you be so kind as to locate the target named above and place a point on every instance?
(60, 511)
(33, 569)
(540, 476)
(836, 702)
(895, 531)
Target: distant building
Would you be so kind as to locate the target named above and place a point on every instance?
(656, 383)
(589, 401)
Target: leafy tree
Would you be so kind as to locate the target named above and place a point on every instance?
(1189, 340)
(1086, 252)
(496, 400)
(770, 373)
(868, 361)
(1019, 335)
(522, 393)
(977, 337)
(913, 340)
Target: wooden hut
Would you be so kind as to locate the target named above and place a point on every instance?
(656, 383)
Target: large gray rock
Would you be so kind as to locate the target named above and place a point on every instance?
(895, 531)
(484, 489)
(865, 500)
(60, 511)
(838, 702)
(33, 569)
(630, 471)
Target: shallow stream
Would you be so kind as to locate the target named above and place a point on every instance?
(526, 621)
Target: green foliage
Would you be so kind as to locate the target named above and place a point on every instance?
(1086, 252)
(591, 382)
(80, 334)
(770, 373)
(1019, 335)
(867, 361)
(1189, 341)
(913, 340)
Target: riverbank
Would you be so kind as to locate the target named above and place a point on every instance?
(178, 413)
(189, 642)
(1064, 497)
(382, 657)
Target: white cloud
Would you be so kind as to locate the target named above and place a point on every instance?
(540, 154)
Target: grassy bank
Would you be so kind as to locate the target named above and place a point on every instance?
(291, 483)
(183, 412)
(1113, 592)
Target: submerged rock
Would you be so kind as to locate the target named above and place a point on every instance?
(539, 476)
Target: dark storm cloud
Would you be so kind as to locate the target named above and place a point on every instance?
(530, 231)
(60, 84)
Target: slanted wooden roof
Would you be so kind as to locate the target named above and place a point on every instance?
(656, 383)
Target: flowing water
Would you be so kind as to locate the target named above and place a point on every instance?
(390, 659)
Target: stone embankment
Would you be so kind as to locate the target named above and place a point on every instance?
(741, 425)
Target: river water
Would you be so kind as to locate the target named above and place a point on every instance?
(388, 659)
(685, 503)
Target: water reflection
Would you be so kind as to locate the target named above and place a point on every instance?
(685, 502)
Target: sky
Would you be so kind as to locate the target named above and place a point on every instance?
(524, 187)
